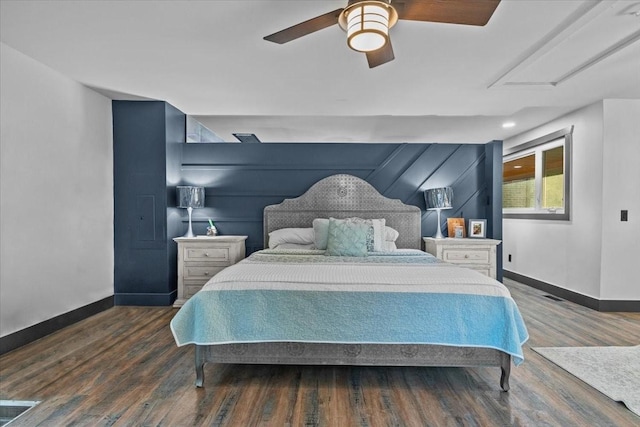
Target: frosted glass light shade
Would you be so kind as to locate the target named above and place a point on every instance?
(367, 27)
(439, 198)
(190, 197)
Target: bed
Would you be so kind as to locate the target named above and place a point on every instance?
(393, 307)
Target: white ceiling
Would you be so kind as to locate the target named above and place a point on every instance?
(532, 62)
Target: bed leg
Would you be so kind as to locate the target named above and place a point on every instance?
(200, 361)
(505, 367)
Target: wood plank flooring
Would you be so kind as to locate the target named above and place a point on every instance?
(122, 368)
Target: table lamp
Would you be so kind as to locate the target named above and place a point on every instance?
(190, 197)
(438, 199)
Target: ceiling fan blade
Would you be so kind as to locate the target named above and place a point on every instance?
(307, 27)
(468, 12)
(381, 56)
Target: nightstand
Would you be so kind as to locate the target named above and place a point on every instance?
(478, 254)
(201, 258)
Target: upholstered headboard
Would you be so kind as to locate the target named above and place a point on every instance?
(345, 196)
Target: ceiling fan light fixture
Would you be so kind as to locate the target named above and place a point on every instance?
(367, 24)
(367, 27)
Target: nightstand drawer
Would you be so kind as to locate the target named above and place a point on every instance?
(466, 256)
(206, 254)
(200, 272)
(476, 254)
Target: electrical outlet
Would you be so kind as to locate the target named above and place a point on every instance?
(624, 214)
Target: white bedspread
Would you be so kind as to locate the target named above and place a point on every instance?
(402, 271)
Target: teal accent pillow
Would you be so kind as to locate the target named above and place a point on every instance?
(375, 237)
(346, 238)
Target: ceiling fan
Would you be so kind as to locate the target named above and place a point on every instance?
(367, 22)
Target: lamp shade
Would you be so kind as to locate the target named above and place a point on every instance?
(190, 197)
(439, 198)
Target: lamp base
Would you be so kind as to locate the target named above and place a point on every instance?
(438, 234)
(189, 230)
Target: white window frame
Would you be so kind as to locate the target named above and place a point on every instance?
(538, 146)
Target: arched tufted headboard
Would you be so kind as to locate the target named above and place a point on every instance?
(345, 196)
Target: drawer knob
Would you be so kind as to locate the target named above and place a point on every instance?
(466, 256)
(206, 273)
(206, 254)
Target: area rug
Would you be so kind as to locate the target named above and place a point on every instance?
(614, 371)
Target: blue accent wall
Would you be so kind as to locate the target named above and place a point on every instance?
(241, 179)
(147, 136)
(151, 159)
(493, 169)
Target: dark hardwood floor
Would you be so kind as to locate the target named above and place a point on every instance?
(122, 368)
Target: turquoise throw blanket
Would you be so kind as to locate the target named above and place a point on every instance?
(241, 310)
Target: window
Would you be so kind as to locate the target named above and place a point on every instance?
(536, 178)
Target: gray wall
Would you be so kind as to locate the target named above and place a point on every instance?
(56, 194)
(594, 254)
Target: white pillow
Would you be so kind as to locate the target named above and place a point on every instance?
(390, 246)
(321, 232)
(299, 236)
(390, 234)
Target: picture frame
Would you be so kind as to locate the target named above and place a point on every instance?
(456, 228)
(478, 228)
